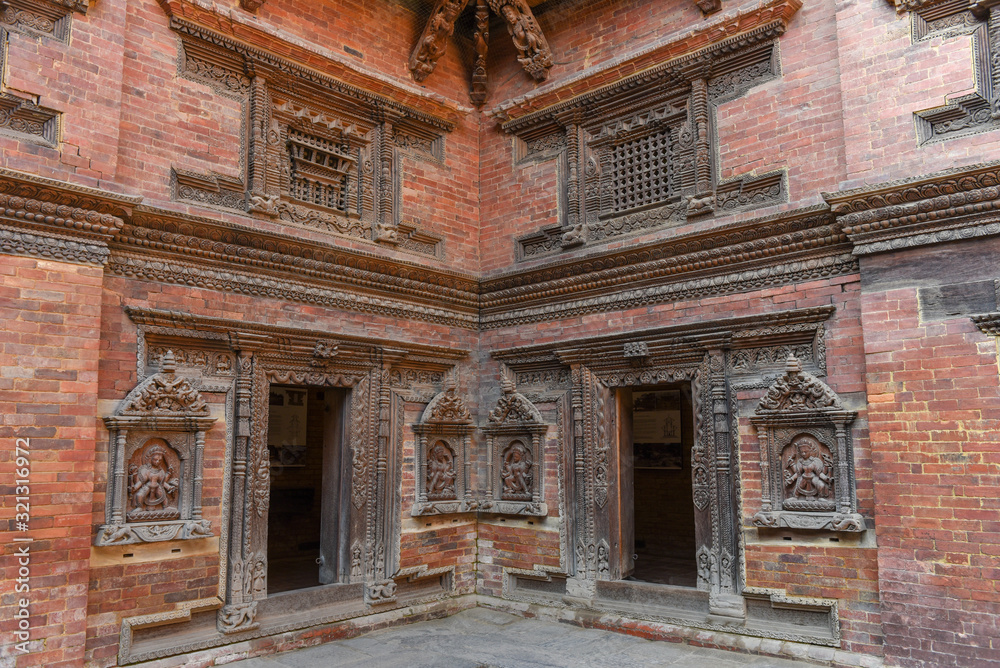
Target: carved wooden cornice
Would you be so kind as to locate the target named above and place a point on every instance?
(673, 342)
(960, 203)
(47, 218)
(733, 258)
(290, 342)
(195, 238)
(669, 60)
(259, 47)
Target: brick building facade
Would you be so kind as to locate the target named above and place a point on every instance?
(669, 317)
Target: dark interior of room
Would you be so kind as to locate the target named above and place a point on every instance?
(664, 505)
(296, 447)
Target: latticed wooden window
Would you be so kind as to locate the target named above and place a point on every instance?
(642, 171)
(320, 170)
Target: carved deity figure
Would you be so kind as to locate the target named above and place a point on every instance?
(808, 472)
(525, 40)
(435, 40)
(516, 472)
(440, 472)
(153, 485)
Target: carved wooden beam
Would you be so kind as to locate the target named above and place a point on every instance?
(532, 50)
(434, 39)
(251, 5)
(481, 39)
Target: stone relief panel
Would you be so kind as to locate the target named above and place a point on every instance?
(806, 456)
(515, 432)
(155, 462)
(443, 439)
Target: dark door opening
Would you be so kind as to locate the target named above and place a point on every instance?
(305, 519)
(657, 435)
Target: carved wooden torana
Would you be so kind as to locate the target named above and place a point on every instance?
(442, 451)
(155, 462)
(515, 434)
(806, 459)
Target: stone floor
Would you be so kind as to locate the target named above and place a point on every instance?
(484, 638)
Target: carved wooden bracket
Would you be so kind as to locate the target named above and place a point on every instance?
(155, 462)
(251, 5)
(434, 39)
(533, 50)
(806, 458)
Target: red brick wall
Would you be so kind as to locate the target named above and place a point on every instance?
(48, 378)
(885, 78)
(934, 412)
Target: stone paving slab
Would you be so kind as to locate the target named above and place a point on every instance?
(484, 638)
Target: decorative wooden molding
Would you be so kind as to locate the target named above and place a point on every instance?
(806, 458)
(971, 113)
(747, 255)
(952, 205)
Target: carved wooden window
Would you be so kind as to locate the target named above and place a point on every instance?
(155, 462)
(642, 171)
(321, 171)
(515, 436)
(442, 475)
(806, 455)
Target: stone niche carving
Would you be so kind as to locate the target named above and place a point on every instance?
(155, 462)
(515, 434)
(442, 475)
(806, 458)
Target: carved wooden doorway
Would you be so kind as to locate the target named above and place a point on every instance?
(661, 529)
(307, 522)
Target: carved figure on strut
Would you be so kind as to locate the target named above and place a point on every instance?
(807, 472)
(516, 472)
(153, 484)
(440, 472)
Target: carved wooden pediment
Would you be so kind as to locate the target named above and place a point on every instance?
(513, 410)
(798, 391)
(447, 408)
(165, 394)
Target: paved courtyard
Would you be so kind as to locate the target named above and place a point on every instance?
(483, 638)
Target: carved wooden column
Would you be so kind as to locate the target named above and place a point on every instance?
(724, 598)
(261, 201)
(703, 200)
(385, 220)
(481, 40)
(240, 610)
(575, 231)
(385, 586)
